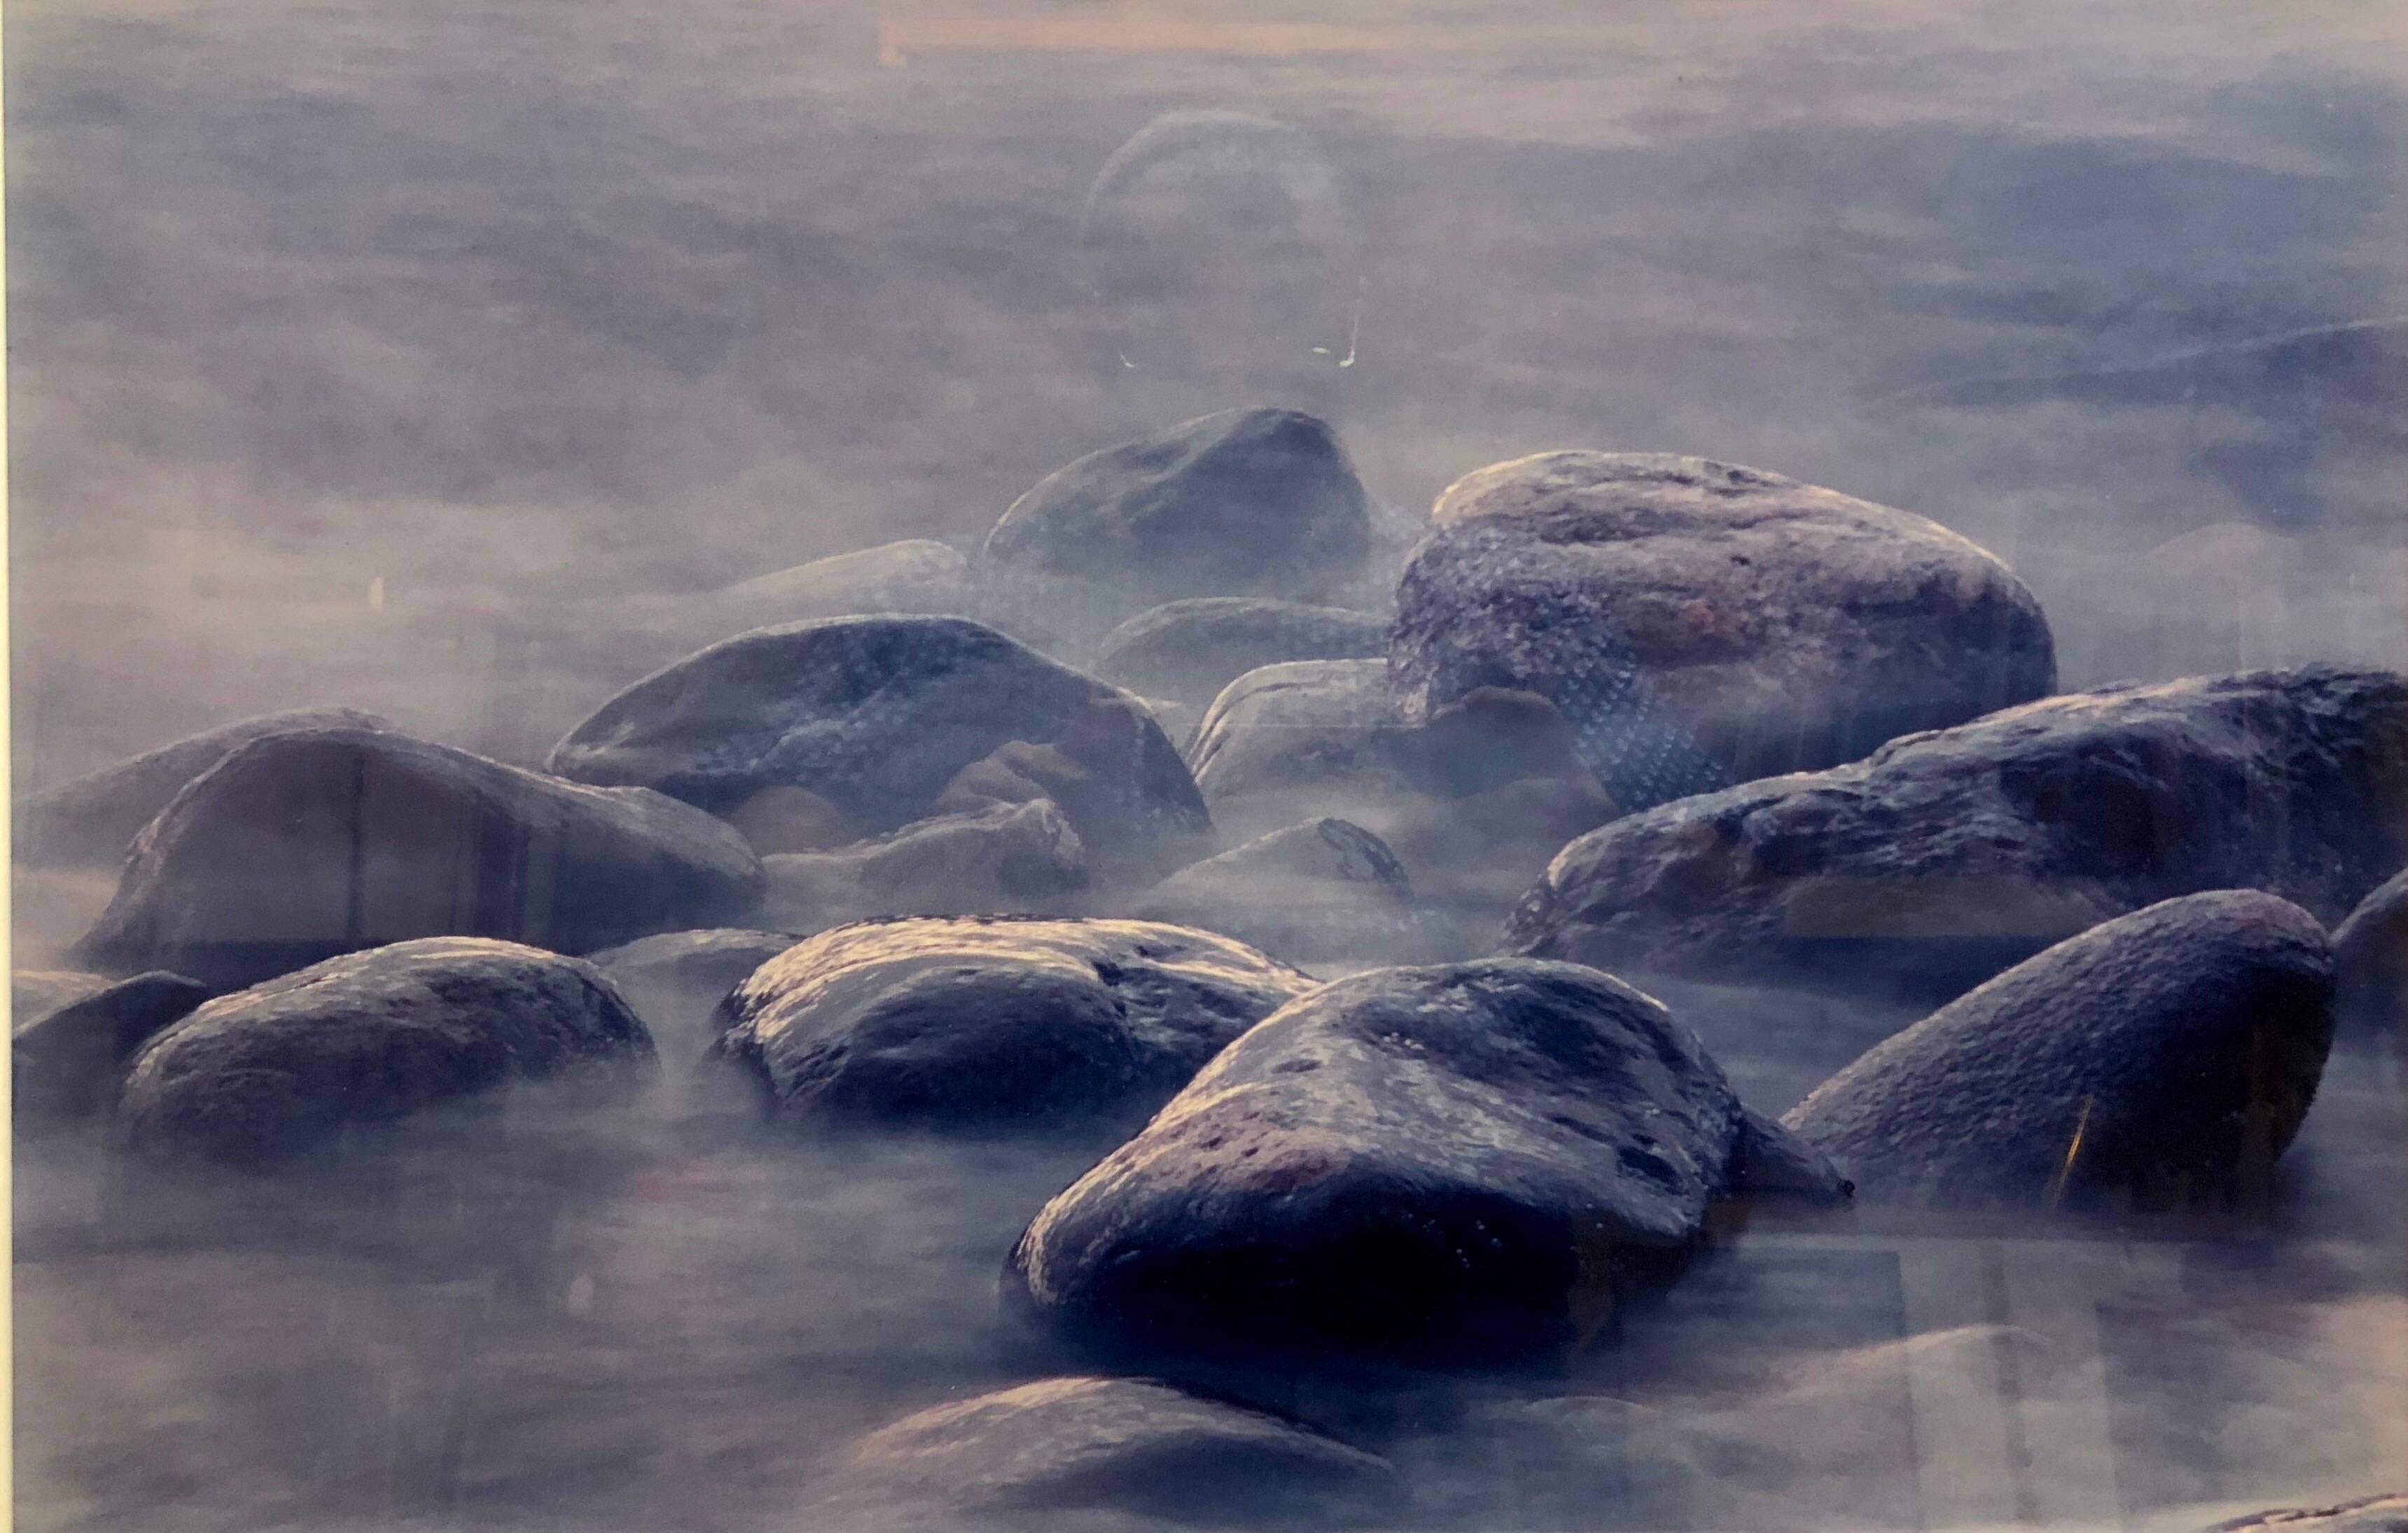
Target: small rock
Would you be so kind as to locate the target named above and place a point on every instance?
(311, 843)
(782, 818)
(260, 1075)
(1008, 858)
(63, 1061)
(96, 818)
(2371, 961)
(1467, 1163)
(917, 576)
(987, 1022)
(1324, 889)
(675, 980)
(1190, 650)
(1063, 1447)
(1297, 740)
(2159, 1058)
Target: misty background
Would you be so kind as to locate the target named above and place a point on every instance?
(380, 352)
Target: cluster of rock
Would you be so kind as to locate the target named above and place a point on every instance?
(1654, 715)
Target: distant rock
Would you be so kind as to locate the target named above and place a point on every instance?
(981, 1023)
(1245, 503)
(258, 1077)
(1944, 857)
(2160, 1059)
(96, 818)
(36, 993)
(2386, 1513)
(1083, 1447)
(63, 1060)
(1702, 624)
(1005, 859)
(915, 576)
(1463, 1163)
(307, 844)
(1292, 741)
(2371, 961)
(1326, 889)
(881, 718)
(675, 980)
(781, 820)
(1188, 651)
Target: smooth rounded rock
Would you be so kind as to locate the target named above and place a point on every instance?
(1188, 651)
(63, 1061)
(1322, 890)
(1005, 859)
(2158, 1059)
(1468, 1163)
(311, 843)
(2371, 961)
(261, 1076)
(993, 1024)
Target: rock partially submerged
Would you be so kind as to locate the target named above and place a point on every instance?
(1702, 624)
(675, 980)
(94, 818)
(1188, 651)
(311, 843)
(1945, 857)
(1006, 859)
(992, 1023)
(2162, 1058)
(1464, 1164)
(1326, 889)
(1031, 1456)
(889, 718)
(63, 1060)
(256, 1078)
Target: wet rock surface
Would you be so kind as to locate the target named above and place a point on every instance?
(94, 818)
(1188, 651)
(1086, 1446)
(1946, 856)
(1461, 1164)
(311, 843)
(254, 1079)
(1248, 502)
(1702, 623)
(1008, 858)
(890, 718)
(2164, 1058)
(63, 1060)
(989, 1023)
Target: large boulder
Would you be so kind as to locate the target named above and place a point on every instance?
(1701, 625)
(1248, 502)
(1945, 857)
(266, 1074)
(311, 843)
(1188, 651)
(881, 716)
(94, 818)
(2371, 961)
(2164, 1056)
(1004, 859)
(1076, 1448)
(63, 1061)
(1327, 890)
(984, 1023)
(1467, 1163)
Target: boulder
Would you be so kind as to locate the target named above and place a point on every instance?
(311, 843)
(63, 1060)
(917, 574)
(1462, 1163)
(880, 716)
(1702, 624)
(258, 1077)
(2386, 1514)
(675, 980)
(1944, 857)
(1292, 741)
(1248, 502)
(1003, 859)
(1189, 650)
(94, 818)
(1083, 1447)
(2159, 1058)
(2371, 961)
(1324, 890)
(985, 1022)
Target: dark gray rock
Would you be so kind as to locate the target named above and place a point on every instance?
(978, 1023)
(1461, 1164)
(1006, 859)
(1189, 650)
(311, 843)
(63, 1061)
(1326, 889)
(2386, 1514)
(675, 980)
(2371, 961)
(2164, 1057)
(1031, 1456)
(1701, 625)
(889, 718)
(94, 818)
(1945, 857)
(1250, 502)
(266, 1074)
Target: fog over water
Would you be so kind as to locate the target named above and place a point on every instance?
(390, 353)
